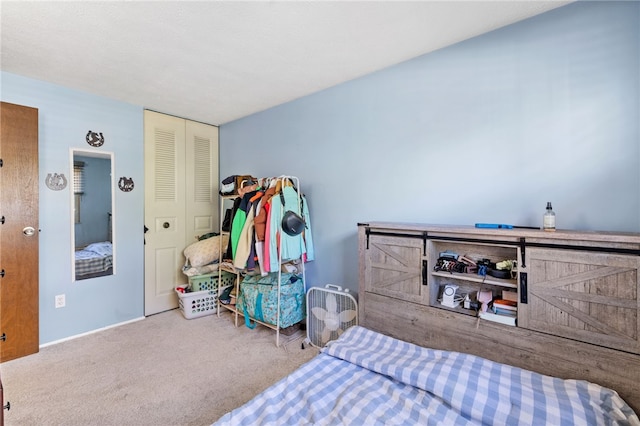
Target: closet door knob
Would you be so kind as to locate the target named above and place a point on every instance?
(166, 225)
(28, 231)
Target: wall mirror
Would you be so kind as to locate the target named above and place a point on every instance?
(92, 202)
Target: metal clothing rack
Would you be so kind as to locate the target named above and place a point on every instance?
(283, 180)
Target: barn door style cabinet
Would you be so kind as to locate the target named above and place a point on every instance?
(576, 296)
(394, 266)
(584, 295)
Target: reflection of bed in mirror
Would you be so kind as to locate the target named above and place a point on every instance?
(94, 260)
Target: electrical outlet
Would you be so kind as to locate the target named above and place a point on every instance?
(60, 301)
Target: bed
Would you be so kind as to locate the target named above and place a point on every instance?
(365, 377)
(94, 260)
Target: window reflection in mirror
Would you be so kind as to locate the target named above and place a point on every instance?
(92, 214)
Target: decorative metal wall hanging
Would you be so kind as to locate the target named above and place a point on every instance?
(125, 184)
(56, 182)
(94, 139)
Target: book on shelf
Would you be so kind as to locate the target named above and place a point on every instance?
(501, 311)
(505, 304)
(500, 318)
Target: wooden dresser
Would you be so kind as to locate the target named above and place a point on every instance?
(577, 296)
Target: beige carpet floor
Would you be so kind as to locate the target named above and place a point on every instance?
(163, 370)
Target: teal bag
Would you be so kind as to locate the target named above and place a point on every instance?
(258, 299)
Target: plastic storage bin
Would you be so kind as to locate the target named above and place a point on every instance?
(210, 281)
(203, 302)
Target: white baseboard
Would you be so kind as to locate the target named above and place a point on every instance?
(55, 342)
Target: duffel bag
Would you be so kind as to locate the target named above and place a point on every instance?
(258, 299)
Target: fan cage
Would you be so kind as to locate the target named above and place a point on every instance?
(317, 298)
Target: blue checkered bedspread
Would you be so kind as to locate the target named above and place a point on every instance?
(95, 258)
(367, 378)
(92, 265)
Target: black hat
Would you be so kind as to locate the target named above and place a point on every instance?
(292, 223)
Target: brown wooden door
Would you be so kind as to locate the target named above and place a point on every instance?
(591, 297)
(393, 268)
(18, 250)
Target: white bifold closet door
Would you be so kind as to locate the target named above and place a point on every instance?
(181, 200)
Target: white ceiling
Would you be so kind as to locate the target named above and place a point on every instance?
(216, 61)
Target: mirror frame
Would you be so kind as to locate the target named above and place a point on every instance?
(107, 155)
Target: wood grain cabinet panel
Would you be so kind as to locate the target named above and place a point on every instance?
(393, 268)
(590, 297)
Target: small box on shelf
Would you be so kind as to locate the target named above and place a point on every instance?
(510, 295)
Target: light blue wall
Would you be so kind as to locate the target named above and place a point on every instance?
(487, 130)
(65, 117)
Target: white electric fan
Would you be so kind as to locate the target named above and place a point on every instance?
(330, 311)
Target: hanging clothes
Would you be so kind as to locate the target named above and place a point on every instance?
(263, 232)
(253, 259)
(267, 239)
(228, 255)
(256, 237)
(238, 222)
(246, 236)
(291, 247)
(260, 220)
